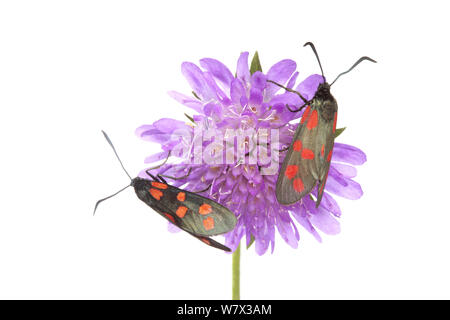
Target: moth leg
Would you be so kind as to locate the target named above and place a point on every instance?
(293, 110)
(176, 178)
(289, 90)
(203, 189)
(160, 165)
(156, 167)
(284, 149)
(161, 178)
(152, 176)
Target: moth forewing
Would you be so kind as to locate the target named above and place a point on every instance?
(203, 216)
(296, 178)
(188, 211)
(309, 155)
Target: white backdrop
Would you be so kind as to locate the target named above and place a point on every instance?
(70, 69)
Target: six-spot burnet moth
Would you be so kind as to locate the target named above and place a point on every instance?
(197, 215)
(308, 158)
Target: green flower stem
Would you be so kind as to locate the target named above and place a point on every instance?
(236, 265)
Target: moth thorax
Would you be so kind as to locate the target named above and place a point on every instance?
(326, 102)
(139, 183)
(141, 187)
(323, 92)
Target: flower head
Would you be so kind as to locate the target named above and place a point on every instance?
(242, 180)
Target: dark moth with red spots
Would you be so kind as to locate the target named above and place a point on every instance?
(199, 216)
(308, 158)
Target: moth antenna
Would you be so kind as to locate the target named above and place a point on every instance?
(101, 200)
(317, 56)
(115, 152)
(356, 63)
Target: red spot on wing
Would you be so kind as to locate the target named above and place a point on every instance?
(169, 217)
(313, 120)
(305, 115)
(181, 211)
(307, 154)
(208, 223)
(321, 188)
(205, 209)
(181, 196)
(297, 145)
(157, 194)
(335, 121)
(291, 171)
(329, 155)
(298, 185)
(206, 240)
(159, 185)
(322, 151)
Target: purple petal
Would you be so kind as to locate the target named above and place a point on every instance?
(237, 92)
(169, 125)
(310, 205)
(163, 131)
(286, 231)
(233, 238)
(187, 101)
(330, 204)
(242, 69)
(258, 80)
(218, 70)
(197, 81)
(348, 154)
(308, 87)
(219, 92)
(157, 137)
(142, 130)
(156, 157)
(346, 170)
(213, 110)
(261, 245)
(256, 98)
(290, 99)
(242, 187)
(280, 73)
(143, 174)
(325, 222)
(341, 186)
(243, 101)
(291, 82)
(305, 223)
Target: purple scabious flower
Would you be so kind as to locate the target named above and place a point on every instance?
(223, 101)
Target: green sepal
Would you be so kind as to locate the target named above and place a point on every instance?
(256, 64)
(190, 118)
(252, 239)
(195, 95)
(338, 132)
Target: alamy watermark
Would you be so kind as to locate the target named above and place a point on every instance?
(231, 146)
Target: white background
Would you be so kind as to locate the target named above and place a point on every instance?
(71, 68)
